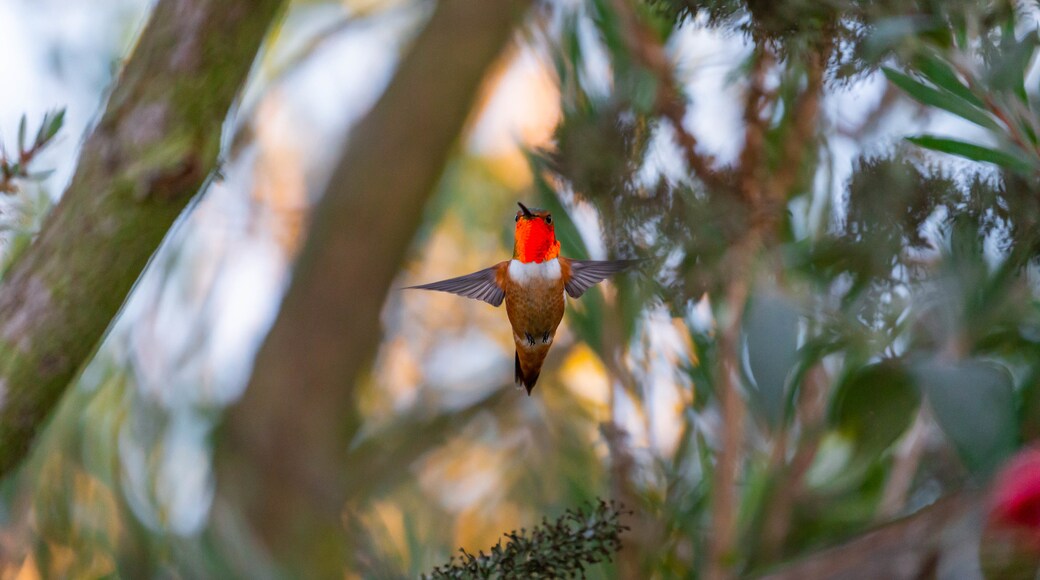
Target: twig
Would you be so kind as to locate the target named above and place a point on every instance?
(803, 129)
(908, 548)
(751, 171)
(645, 46)
(724, 490)
(741, 255)
(812, 404)
(764, 195)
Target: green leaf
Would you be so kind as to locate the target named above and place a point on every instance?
(974, 403)
(1008, 72)
(944, 100)
(889, 34)
(941, 74)
(873, 406)
(57, 119)
(771, 340)
(973, 152)
(21, 134)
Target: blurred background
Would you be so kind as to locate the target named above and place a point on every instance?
(843, 321)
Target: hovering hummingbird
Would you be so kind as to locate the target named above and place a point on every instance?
(532, 285)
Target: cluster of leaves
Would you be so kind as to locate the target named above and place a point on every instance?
(915, 290)
(29, 205)
(558, 549)
(16, 166)
(985, 86)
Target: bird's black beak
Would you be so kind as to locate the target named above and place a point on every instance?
(527, 212)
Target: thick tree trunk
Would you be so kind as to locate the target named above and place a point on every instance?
(151, 152)
(283, 447)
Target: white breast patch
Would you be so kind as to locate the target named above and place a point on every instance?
(524, 274)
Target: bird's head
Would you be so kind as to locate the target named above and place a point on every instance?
(535, 239)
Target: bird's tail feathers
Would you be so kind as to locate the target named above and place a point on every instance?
(527, 379)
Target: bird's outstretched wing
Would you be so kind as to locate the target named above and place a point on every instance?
(480, 285)
(586, 273)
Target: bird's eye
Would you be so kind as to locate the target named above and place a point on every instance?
(517, 217)
(548, 219)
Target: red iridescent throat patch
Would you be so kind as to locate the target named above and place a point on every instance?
(535, 241)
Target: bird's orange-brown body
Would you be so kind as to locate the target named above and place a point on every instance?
(534, 305)
(532, 285)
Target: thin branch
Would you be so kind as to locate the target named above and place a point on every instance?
(801, 137)
(908, 548)
(741, 257)
(644, 44)
(752, 173)
(812, 406)
(765, 192)
(146, 159)
(725, 495)
(281, 458)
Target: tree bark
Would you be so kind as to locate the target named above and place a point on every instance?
(154, 147)
(281, 452)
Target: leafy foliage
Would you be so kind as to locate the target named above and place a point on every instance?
(558, 549)
(16, 166)
(20, 220)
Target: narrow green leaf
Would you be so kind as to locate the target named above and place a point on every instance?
(942, 100)
(973, 152)
(21, 134)
(1008, 72)
(56, 122)
(941, 74)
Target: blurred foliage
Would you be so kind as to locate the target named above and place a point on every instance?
(864, 31)
(919, 285)
(891, 332)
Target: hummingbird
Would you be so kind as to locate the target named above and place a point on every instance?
(532, 284)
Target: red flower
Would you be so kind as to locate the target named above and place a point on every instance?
(1016, 494)
(1010, 547)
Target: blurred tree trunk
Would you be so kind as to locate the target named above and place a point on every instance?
(148, 156)
(281, 454)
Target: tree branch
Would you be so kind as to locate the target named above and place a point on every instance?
(151, 152)
(281, 458)
(731, 404)
(644, 44)
(908, 548)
